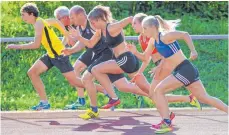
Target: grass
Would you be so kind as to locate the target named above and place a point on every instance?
(17, 92)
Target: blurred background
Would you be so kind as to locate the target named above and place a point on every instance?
(197, 18)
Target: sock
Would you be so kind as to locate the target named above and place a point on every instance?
(44, 101)
(81, 101)
(167, 121)
(115, 98)
(94, 109)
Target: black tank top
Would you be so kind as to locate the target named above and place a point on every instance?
(113, 41)
(88, 33)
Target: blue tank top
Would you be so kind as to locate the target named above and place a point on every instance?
(167, 50)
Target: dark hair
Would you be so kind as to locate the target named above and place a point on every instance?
(30, 8)
(101, 12)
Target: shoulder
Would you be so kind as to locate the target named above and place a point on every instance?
(39, 24)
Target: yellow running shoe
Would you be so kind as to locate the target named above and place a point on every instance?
(164, 128)
(89, 114)
(195, 102)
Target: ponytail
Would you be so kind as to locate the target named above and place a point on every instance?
(167, 25)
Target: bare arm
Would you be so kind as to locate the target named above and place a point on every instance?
(76, 48)
(116, 28)
(146, 55)
(39, 26)
(90, 43)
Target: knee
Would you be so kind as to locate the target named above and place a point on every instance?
(95, 70)
(158, 91)
(78, 69)
(86, 79)
(31, 73)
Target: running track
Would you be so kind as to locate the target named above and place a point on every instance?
(188, 121)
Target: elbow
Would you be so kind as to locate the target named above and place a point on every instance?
(186, 35)
(36, 46)
(90, 45)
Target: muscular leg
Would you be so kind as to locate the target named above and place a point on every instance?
(34, 75)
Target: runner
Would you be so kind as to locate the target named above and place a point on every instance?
(184, 72)
(99, 18)
(45, 35)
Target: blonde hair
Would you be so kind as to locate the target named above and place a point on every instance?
(140, 17)
(101, 12)
(161, 24)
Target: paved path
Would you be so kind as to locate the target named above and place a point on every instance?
(120, 122)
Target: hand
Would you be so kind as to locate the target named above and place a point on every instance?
(71, 40)
(66, 51)
(152, 72)
(193, 55)
(135, 77)
(74, 32)
(131, 48)
(12, 46)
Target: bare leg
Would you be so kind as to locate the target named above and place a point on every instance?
(90, 87)
(161, 73)
(141, 82)
(125, 86)
(168, 84)
(79, 67)
(200, 93)
(73, 80)
(34, 75)
(100, 72)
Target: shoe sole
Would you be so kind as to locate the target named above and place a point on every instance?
(113, 105)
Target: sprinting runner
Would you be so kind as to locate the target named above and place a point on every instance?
(99, 18)
(102, 52)
(45, 35)
(184, 72)
(156, 58)
(62, 14)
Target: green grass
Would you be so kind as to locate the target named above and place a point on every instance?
(17, 92)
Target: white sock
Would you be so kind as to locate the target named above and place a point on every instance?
(115, 98)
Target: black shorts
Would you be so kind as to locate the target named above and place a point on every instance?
(106, 55)
(128, 62)
(61, 62)
(186, 72)
(88, 57)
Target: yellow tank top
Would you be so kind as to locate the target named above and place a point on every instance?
(50, 40)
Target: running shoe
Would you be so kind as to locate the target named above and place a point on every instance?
(89, 114)
(41, 106)
(195, 102)
(111, 103)
(157, 126)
